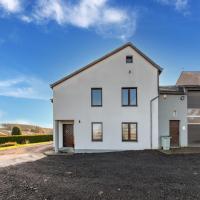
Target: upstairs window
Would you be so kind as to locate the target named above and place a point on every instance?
(97, 131)
(96, 97)
(129, 59)
(129, 96)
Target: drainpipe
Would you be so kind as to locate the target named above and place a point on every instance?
(56, 135)
(151, 121)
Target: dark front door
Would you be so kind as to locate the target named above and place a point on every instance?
(174, 132)
(68, 135)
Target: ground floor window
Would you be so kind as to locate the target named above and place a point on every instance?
(129, 131)
(97, 131)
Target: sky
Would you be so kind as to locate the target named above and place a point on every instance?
(43, 40)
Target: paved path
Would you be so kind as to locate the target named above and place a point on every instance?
(23, 154)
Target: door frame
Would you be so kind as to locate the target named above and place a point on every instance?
(176, 120)
(64, 122)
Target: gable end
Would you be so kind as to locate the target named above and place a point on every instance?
(106, 56)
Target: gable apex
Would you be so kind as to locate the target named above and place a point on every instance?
(129, 44)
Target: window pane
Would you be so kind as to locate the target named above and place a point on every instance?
(129, 59)
(97, 131)
(194, 112)
(96, 97)
(193, 120)
(125, 97)
(124, 131)
(133, 132)
(133, 96)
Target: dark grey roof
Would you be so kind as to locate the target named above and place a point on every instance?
(172, 89)
(106, 56)
(189, 79)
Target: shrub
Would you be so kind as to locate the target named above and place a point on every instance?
(21, 139)
(16, 131)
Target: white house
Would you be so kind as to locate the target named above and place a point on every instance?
(113, 104)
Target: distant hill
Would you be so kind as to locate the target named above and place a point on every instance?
(5, 129)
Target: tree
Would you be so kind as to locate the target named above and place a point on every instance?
(16, 131)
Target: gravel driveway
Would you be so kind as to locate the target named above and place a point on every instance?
(121, 175)
(23, 154)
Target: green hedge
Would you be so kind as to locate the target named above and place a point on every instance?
(21, 139)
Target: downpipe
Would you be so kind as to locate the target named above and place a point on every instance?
(151, 121)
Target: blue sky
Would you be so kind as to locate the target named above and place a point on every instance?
(44, 40)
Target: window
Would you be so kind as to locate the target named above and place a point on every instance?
(97, 131)
(129, 59)
(194, 116)
(96, 96)
(129, 131)
(129, 96)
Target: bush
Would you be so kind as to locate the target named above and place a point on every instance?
(23, 139)
(16, 131)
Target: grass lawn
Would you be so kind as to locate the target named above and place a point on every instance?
(121, 175)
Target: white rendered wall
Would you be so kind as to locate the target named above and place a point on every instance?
(72, 101)
(172, 108)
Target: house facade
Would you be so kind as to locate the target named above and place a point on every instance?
(115, 103)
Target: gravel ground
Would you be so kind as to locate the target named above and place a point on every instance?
(121, 175)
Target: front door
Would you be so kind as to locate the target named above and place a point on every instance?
(174, 132)
(68, 135)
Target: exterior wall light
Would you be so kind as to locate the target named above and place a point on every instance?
(174, 113)
(182, 98)
(164, 96)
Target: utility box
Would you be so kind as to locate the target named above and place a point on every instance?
(165, 142)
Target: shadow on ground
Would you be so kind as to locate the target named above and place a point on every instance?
(121, 175)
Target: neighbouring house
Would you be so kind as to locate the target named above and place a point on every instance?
(115, 103)
(179, 110)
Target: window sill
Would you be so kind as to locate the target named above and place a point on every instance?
(129, 105)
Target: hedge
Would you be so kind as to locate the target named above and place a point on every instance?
(21, 139)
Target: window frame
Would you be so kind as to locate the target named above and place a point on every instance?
(129, 133)
(92, 105)
(97, 140)
(129, 96)
(128, 56)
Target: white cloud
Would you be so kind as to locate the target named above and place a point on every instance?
(49, 10)
(96, 14)
(11, 6)
(179, 5)
(26, 18)
(23, 87)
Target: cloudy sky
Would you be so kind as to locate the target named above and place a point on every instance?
(44, 40)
